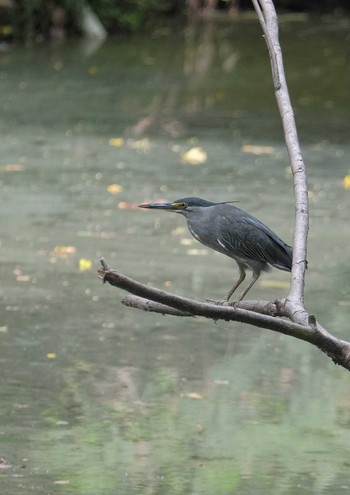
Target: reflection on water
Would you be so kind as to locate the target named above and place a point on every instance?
(102, 399)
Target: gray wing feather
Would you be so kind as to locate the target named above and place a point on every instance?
(247, 237)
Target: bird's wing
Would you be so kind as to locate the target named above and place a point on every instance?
(247, 237)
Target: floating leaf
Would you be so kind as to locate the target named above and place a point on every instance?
(114, 188)
(346, 182)
(197, 252)
(93, 70)
(194, 156)
(6, 29)
(4, 464)
(64, 251)
(140, 145)
(123, 205)
(117, 141)
(193, 395)
(12, 167)
(85, 264)
(258, 150)
(23, 278)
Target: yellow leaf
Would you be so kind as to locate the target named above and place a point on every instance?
(85, 264)
(193, 395)
(124, 205)
(346, 182)
(6, 29)
(114, 188)
(12, 167)
(141, 145)
(64, 251)
(51, 355)
(194, 156)
(117, 141)
(258, 150)
(93, 70)
(197, 252)
(23, 278)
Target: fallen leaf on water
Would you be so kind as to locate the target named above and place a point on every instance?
(93, 70)
(23, 278)
(114, 188)
(258, 150)
(19, 275)
(193, 395)
(64, 251)
(123, 205)
(85, 264)
(187, 242)
(197, 252)
(6, 29)
(117, 141)
(4, 464)
(346, 182)
(278, 284)
(140, 145)
(194, 156)
(221, 382)
(12, 167)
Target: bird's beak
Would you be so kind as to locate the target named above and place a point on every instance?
(159, 206)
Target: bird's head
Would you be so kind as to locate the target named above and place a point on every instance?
(182, 205)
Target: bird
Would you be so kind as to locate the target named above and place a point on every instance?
(235, 233)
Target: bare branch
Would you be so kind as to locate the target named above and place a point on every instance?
(151, 306)
(268, 19)
(213, 311)
(166, 303)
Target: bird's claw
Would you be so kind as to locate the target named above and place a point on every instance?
(221, 302)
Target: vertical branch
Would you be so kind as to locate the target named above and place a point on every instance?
(266, 12)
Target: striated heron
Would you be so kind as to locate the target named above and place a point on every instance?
(233, 232)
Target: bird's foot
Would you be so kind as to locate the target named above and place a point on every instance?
(221, 302)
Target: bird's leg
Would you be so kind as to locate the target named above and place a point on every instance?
(250, 285)
(238, 283)
(242, 275)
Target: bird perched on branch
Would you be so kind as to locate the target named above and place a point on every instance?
(233, 232)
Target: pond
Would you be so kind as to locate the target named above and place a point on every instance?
(101, 399)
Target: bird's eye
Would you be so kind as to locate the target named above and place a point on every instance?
(181, 205)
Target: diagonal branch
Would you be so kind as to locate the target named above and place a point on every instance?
(153, 299)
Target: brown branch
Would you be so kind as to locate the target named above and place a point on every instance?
(138, 302)
(165, 302)
(208, 310)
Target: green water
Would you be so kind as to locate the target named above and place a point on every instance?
(100, 399)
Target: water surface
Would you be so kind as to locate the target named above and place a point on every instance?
(97, 398)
